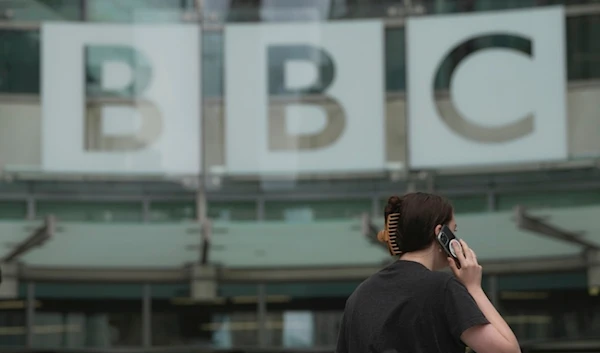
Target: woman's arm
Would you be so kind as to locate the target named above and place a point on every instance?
(497, 335)
(493, 315)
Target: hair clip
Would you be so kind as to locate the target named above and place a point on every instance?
(391, 230)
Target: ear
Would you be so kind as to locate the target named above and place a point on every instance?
(438, 229)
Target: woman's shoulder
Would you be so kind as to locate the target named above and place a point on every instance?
(440, 279)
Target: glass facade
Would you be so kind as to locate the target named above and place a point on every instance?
(298, 315)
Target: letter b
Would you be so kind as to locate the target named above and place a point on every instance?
(282, 98)
(102, 95)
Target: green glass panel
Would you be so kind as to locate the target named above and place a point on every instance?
(13, 210)
(395, 59)
(489, 5)
(213, 59)
(116, 245)
(169, 211)
(316, 210)
(232, 211)
(19, 61)
(583, 49)
(549, 199)
(131, 11)
(91, 211)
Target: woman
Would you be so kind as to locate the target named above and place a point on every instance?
(408, 306)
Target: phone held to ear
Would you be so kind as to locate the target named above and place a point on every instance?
(445, 237)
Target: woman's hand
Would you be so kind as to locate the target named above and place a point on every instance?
(469, 273)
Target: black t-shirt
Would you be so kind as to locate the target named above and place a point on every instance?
(406, 308)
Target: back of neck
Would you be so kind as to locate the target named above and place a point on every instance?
(422, 256)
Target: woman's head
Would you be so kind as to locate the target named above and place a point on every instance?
(416, 218)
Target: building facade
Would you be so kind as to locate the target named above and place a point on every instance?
(197, 187)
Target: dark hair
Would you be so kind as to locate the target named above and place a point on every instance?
(418, 215)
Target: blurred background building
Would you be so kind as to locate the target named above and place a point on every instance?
(211, 172)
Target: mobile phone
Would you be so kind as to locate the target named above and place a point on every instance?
(445, 237)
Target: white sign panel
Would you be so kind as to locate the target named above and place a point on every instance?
(121, 98)
(304, 98)
(505, 74)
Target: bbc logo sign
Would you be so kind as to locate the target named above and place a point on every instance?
(305, 98)
(121, 99)
(506, 100)
(313, 100)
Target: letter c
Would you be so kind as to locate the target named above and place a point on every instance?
(453, 119)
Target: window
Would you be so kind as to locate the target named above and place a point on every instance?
(91, 211)
(13, 210)
(19, 61)
(316, 210)
(172, 211)
(232, 211)
(583, 47)
(395, 60)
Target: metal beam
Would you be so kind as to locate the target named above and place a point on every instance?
(303, 195)
(31, 208)
(261, 308)
(473, 184)
(116, 275)
(539, 226)
(36, 239)
(370, 231)
(30, 314)
(146, 315)
(265, 275)
(314, 195)
(205, 241)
